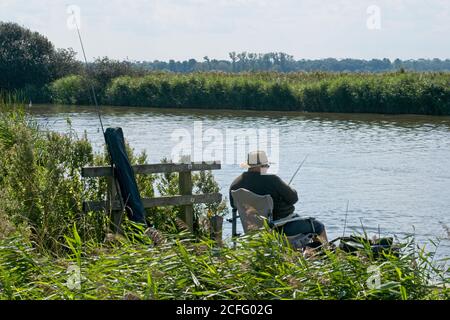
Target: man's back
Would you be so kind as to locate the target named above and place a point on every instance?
(284, 197)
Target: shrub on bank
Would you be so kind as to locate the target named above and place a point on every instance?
(73, 89)
(41, 188)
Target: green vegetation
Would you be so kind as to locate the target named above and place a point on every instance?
(29, 61)
(282, 62)
(42, 189)
(393, 93)
(45, 238)
(261, 267)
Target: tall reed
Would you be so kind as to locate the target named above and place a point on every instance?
(400, 92)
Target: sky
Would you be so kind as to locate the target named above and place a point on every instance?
(176, 29)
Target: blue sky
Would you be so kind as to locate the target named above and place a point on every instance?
(175, 29)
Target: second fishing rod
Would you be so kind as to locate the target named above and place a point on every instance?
(298, 169)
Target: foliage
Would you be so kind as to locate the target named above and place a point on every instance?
(282, 62)
(204, 182)
(40, 179)
(70, 90)
(103, 70)
(42, 189)
(392, 93)
(261, 267)
(32, 68)
(29, 60)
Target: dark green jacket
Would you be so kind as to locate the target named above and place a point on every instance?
(284, 197)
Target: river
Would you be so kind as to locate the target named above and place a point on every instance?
(394, 171)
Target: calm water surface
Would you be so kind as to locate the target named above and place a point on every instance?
(393, 170)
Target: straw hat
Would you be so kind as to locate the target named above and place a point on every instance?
(256, 159)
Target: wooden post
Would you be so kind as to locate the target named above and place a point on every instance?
(185, 185)
(115, 215)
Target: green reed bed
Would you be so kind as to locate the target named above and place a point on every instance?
(261, 267)
(393, 93)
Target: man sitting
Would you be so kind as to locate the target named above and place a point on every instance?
(258, 181)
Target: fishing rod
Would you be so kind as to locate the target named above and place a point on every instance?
(87, 68)
(94, 96)
(345, 225)
(298, 169)
(345, 221)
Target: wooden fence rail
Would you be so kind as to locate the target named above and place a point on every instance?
(153, 168)
(185, 199)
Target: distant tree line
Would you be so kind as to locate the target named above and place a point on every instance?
(282, 62)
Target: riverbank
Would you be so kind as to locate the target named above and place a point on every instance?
(261, 267)
(388, 93)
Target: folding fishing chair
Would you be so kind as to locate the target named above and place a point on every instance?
(254, 209)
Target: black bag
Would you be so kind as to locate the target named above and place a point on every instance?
(378, 246)
(124, 174)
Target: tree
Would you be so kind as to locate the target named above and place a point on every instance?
(103, 70)
(63, 63)
(207, 62)
(28, 59)
(233, 60)
(24, 57)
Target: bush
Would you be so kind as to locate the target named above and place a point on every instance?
(40, 179)
(42, 188)
(72, 89)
